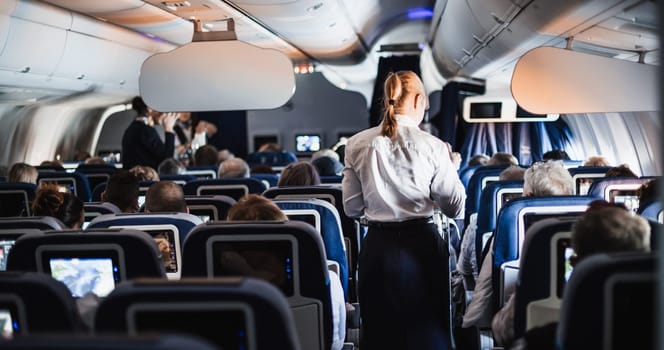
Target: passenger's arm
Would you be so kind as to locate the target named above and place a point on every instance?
(352, 191)
(446, 188)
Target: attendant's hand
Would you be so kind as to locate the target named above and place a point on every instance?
(168, 121)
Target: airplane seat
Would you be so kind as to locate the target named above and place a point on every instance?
(105, 342)
(35, 303)
(235, 188)
(97, 191)
(97, 173)
(50, 168)
(180, 179)
(466, 173)
(202, 171)
(94, 209)
(289, 254)
(16, 198)
(542, 273)
(610, 303)
(76, 183)
(131, 253)
(494, 196)
(351, 227)
(230, 312)
(330, 230)
(3, 179)
(618, 189)
(170, 229)
(514, 220)
(271, 179)
(331, 179)
(271, 158)
(215, 207)
(652, 211)
(480, 178)
(587, 174)
(42, 223)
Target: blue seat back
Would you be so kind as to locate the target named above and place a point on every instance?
(588, 173)
(652, 211)
(181, 179)
(234, 188)
(211, 307)
(466, 173)
(481, 177)
(38, 304)
(539, 273)
(511, 232)
(81, 186)
(612, 189)
(610, 303)
(203, 172)
(97, 173)
(490, 205)
(330, 231)
(31, 222)
(271, 158)
(332, 194)
(331, 179)
(271, 179)
(204, 205)
(16, 198)
(309, 298)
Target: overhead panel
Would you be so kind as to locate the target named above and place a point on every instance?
(552, 80)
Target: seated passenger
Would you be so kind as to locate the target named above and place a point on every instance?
(223, 155)
(66, 207)
(144, 173)
(622, 170)
(121, 194)
(541, 179)
(22, 172)
(603, 228)
(327, 166)
(171, 166)
(478, 159)
(299, 174)
(467, 263)
(502, 158)
(234, 168)
(254, 207)
(596, 161)
(556, 154)
(165, 196)
(206, 155)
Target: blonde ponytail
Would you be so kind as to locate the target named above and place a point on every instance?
(397, 87)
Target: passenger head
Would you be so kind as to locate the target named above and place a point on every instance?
(171, 166)
(547, 179)
(81, 156)
(139, 106)
(327, 166)
(206, 155)
(609, 228)
(233, 168)
(223, 155)
(622, 170)
(299, 174)
(122, 191)
(270, 147)
(165, 196)
(502, 158)
(513, 172)
(22, 172)
(325, 152)
(556, 154)
(254, 207)
(403, 94)
(596, 161)
(648, 193)
(63, 206)
(478, 159)
(144, 173)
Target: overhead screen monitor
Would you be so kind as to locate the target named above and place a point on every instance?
(227, 325)
(564, 253)
(84, 271)
(14, 203)
(497, 107)
(307, 143)
(270, 260)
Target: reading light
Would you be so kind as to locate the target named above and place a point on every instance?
(420, 13)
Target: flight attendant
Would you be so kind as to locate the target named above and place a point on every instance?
(395, 175)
